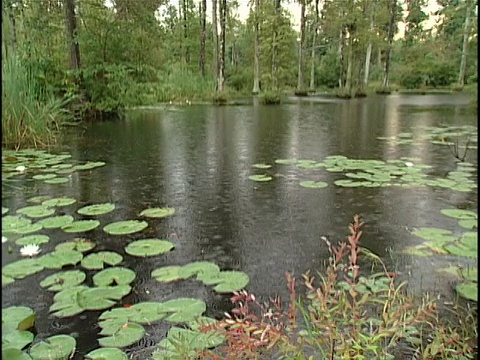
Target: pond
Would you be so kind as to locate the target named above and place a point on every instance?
(197, 159)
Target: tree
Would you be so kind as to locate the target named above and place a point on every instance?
(71, 22)
(203, 36)
(469, 7)
(221, 59)
(300, 85)
(256, 60)
(392, 8)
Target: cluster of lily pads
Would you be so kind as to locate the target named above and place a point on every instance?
(404, 172)
(442, 241)
(121, 327)
(444, 135)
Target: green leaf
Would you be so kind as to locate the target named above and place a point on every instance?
(148, 247)
(106, 354)
(11, 223)
(468, 224)
(468, 290)
(260, 178)
(460, 249)
(141, 313)
(22, 268)
(189, 339)
(89, 165)
(114, 276)
(286, 161)
(58, 347)
(61, 201)
(167, 273)
(100, 298)
(28, 229)
(313, 184)
(56, 221)
(11, 353)
(261, 166)
(439, 236)
(460, 214)
(97, 261)
(38, 199)
(126, 335)
(65, 302)
(80, 226)
(44, 177)
(469, 274)
(59, 259)
(125, 227)
(36, 211)
(231, 281)
(4, 210)
(17, 318)
(184, 309)
(33, 239)
(78, 244)
(158, 212)
(7, 280)
(57, 180)
(200, 268)
(63, 280)
(97, 209)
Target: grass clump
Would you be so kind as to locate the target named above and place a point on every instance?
(31, 115)
(271, 98)
(346, 314)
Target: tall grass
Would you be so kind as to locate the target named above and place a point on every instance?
(181, 85)
(31, 116)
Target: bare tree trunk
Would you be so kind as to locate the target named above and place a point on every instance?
(215, 39)
(275, 46)
(203, 36)
(314, 43)
(256, 60)
(368, 55)
(349, 79)
(466, 34)
(71, 23)
(185, 32)
(300, 46)
(391, 27)
(223, 28)
(341, 47)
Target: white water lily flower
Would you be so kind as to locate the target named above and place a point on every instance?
(409, 164)
(4, 239)
(20, 168)
(30, 250)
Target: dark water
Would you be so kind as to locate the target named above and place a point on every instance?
(197, 160)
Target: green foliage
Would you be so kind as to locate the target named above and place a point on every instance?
(271, 98)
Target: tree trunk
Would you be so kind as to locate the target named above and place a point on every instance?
(349, 79)
(368, 55)
(341, 43)
(215, 39)
(274, 46)
(71, 23)
(256, 60)
(300, 46)
(186, 55)
(221, 60)
(388, 55)
(314, 43)
(466, 34)
(203, 36)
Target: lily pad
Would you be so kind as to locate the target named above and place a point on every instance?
(97, 209)
(114, 276)
(313, 184)
(44, 177)
(63, 280)
(59, 259)
(183, 309)
(260, 178)
(97, 261)
(56, 221)
(80, 226)
(89, 165)
(17, 318)
(36, 211)
(469, 274)
(261, 166)
(125, 227)
(106, 354)
(22, 268)
(11, 223)
(61, 201)
(57, 180)
(468, 224)
(4, 210)
(100, 298)
(33, 240)
(58, 347)
(142, 313)
(439, 236)
(158, 212)
(17, 339)
(28, 229)
(460, 214)
(79, 244)
(167, 273)
(127, 335)
(186, 339)
(65, 302)
(231, 281)
(7, 280)
(468, 290)
(12, 353)
(149, 247)
(286, 161)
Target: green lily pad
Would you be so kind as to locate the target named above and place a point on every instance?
(469, 274)
(313, 184)
(349, 183)
(141, 313)
(114, 276)
(97, 209)
(58, 347)
(460, 214)
(100, 298)
(59, 259)
(439, 236)
(468, 224)
(7, 280)
(460, 249)
(468, 290)
(167, 274)
(33, 239)
(44, 177)
(200, 268)
(79, 244)
(183, 309)
(286, 161)
(97, 261)
(17, 318)
(11, 223)
(231, 281)
(106, 354)
(12, 353)
(22, 268)
(4, 210)
(89, 165)
(261, 166)
(36, 211)
(57, 180)
(260, 178)
(56, 221)
(61, 201)
(127, 335)
(17, 339)
(63, 280)
(158, 212)
(125, 227)
(65, 302)
(80, 226)
(149, 247)
(28, 229)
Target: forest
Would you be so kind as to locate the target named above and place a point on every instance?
(94, 57)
